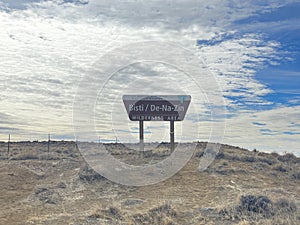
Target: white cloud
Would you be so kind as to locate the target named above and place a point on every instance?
(46, 48)
(279, 132)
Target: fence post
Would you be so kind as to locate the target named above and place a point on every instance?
(76, 143)
(48, 149)
(8, 146)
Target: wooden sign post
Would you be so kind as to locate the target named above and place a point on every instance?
(141, 128)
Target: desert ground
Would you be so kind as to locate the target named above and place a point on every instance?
(58, 187)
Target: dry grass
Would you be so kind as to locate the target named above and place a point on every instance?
(240, 187)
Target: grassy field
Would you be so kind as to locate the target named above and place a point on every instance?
(58, 187)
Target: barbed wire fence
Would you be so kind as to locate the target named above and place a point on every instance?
(47, 149)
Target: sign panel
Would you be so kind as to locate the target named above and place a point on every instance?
(156, 108)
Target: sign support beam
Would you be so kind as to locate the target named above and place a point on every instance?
(141, 122)
(172, 136)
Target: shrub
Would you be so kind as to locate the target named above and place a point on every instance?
(46, 195)
(28, 156)
(284, 205)
(280, 168)
(275, 154)
(220, 155)
(289, 157)
(111, 213)
(256, 204)
(261, 208)
(199, 154)
(88, 174)
(267, 160)
(296, 176)
(114, 212)
(249, 159)
(163, 215)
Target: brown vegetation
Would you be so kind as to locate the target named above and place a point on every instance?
(58, 187)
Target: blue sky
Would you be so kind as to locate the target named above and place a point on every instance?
(252, 49)
(282, 26)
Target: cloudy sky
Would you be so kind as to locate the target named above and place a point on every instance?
(250, 49)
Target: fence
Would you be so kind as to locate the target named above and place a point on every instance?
(39, 150)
